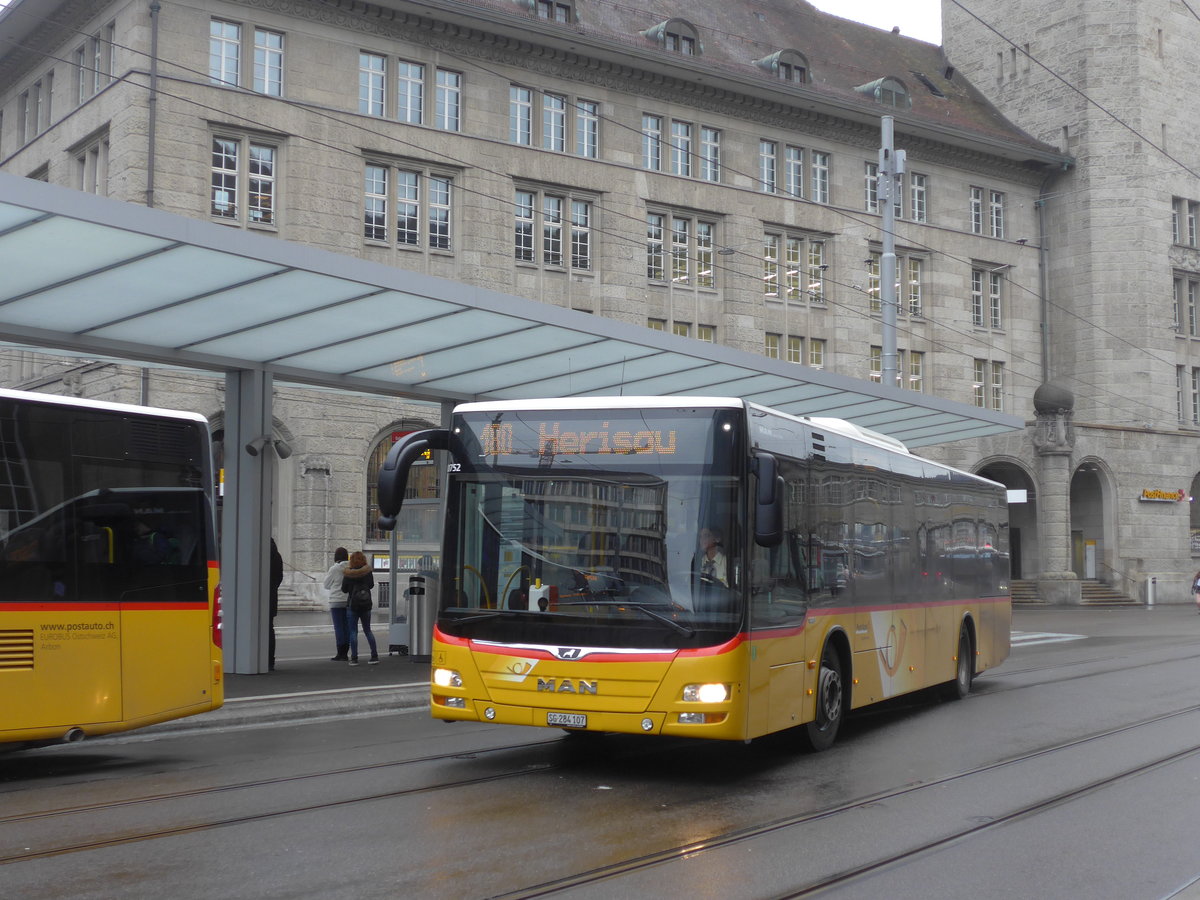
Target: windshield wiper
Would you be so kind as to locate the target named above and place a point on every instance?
(658, 617)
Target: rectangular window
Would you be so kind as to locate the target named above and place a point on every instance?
(1196, 396)
(682, 329)
(1177, 305)
(793, 268)
(408, 208)
(520, 115)
(681, 148)
(91, 167)
(261, 201)
(375, 207)
(554, 123)
(656, 324)
(710, 154)
(820, 177)
(224, 53)
(554, 10)
(977, 298)
(795, 349)
(771, 345)
(243, 177)
(918, 197)
(994, 317)
(996, 213)
(976, 210)
(652, 143)
(816, 353)
(913, 278)
(875, 365)
(655, 262)
(816, 271)
(1180, 375)
(587, 128)
(581, 234)
(448, 100)
(523, 226)
(1175, 213)
(979, 384)
(439, 212)
(793, 171)
(224, 196)
(767, 166)
(82, 82)
(874, 282)
(410, 92)
(770, 257)
(372, 74)
(1191, 310)
(1191, 224)
(681, 230)
(422, 202)
(705, 239)
(268, 62)
(997, 386)
(916, 371)
(706, 333)
(871, 187)
(552, 231)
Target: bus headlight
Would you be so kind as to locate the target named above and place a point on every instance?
(705, 693)
(447, 678)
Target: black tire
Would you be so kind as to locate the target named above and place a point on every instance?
(820, 733)
(964, 668)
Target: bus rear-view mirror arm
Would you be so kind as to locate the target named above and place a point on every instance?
(393, 474)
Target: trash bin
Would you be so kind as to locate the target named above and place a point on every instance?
(398, 622)
(422, 604)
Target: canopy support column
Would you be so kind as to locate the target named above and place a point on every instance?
(246, 522)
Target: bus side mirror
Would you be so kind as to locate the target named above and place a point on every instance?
(393, 474)
(768, 506)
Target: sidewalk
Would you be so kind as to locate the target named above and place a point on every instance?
(315, 687)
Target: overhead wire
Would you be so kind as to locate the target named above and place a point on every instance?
(985, 340)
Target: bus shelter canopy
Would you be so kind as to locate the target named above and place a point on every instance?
(101, 278)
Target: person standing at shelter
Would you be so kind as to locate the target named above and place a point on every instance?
(356, 585)
(276, 581)
(337, 602)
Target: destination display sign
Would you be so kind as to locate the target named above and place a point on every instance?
(536, 437)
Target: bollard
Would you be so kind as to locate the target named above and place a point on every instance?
(1151, 590)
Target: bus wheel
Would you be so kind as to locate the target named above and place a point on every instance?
(964, 670)
(819, 734)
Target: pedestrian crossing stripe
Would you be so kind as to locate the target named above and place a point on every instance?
(1029, 638)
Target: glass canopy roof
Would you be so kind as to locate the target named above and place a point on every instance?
(102, 278)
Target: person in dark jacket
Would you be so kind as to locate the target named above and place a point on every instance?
(276, 580)
(358, 574)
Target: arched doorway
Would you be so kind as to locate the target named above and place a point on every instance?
(1093, 547)
(1023, 538)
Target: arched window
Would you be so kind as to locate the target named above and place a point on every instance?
(786, 65)
(887, 92)
(418, 522)
(676, 36)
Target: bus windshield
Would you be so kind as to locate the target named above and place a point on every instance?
(595, 527)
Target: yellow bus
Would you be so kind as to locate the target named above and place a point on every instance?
(700, 567)
(109, 601)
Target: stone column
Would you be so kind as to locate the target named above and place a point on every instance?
(1054, 440)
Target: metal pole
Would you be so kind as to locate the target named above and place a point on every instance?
(891, 166)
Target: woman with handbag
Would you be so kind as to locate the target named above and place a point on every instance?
(356, 585)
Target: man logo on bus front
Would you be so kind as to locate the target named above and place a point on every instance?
(569, 653)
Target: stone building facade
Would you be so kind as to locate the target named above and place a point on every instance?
(707, 169)
(1106, 83)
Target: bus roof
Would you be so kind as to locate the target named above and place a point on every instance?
(601, 403)
(80, 403)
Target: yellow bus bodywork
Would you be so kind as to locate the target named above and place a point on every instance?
(771, 676)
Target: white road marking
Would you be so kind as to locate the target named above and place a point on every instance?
(1029, 638)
